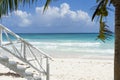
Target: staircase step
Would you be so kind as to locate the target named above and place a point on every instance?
(37, 78)
(33, 78)
(21, 68)
(4, 58)
(17, 68)
(12, 63)
(27, 74)
(21, 49)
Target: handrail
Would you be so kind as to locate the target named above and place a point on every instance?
(25, 49)
(21, 39)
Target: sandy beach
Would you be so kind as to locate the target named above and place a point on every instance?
(74, 69)
(74, 58)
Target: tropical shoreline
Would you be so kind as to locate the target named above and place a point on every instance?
(75, 69)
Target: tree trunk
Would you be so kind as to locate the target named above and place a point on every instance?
(117, 41)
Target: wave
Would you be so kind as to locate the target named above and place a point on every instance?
(67, 44)
(74, 47)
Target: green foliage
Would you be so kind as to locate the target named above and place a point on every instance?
(7, 6)
(104, 32)
(102, 11)
(46, 4)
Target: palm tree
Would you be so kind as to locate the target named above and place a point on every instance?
(117, 39)
(101, 11)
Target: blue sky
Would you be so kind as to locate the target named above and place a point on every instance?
(63, 16)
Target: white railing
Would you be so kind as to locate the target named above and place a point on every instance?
(24, 51)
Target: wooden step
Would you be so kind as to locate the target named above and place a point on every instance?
(27, 74)
(37, 78)
(20, 69)
(4, 58)
(12, 65)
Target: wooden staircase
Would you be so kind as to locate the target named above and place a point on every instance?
(34, 58)
(21, 70)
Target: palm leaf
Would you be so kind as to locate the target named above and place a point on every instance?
(102, 12)
(7, 6)
(97, 9)
(46, 5)
(104, 32)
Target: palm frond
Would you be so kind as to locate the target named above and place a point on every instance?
(104, 32)
(97, 10)
(102, 11)
(46, 5)
(7, 6)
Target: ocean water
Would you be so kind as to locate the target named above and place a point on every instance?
(71, 45)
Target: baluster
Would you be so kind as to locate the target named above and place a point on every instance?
(0, 36)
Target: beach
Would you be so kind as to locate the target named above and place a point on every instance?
(59, 41)
(75, 56)
(75, 69)
(82, 69)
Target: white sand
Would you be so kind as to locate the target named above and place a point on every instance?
(75, 69)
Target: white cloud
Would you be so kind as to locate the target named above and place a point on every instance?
(64, 9)
(23, 18)
(61, 18)
(22, 14)
(55, 15)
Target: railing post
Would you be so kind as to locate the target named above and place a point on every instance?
(47, 69)
(24, 50)
(0, 35)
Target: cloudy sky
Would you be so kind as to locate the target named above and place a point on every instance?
(71, 16)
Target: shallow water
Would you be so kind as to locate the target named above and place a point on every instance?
(76, 44)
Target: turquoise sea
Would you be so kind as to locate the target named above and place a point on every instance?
(70, 44)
